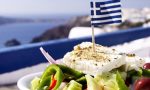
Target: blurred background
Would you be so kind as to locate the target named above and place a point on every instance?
(27, 22)
(31, 21)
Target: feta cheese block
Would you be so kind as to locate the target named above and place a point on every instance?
(134, 62)
(84, 59)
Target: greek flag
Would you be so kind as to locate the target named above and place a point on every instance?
(106, 12)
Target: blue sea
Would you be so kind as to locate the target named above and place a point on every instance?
(24, 32)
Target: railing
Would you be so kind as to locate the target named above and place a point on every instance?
(14, 58)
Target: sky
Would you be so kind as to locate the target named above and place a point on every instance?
(43, 7)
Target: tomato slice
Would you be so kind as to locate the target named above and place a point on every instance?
(53, 84)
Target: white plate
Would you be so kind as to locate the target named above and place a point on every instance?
(24, 82)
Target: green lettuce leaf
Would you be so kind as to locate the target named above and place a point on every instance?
(120, 82)
(92, 84)
(111, 81)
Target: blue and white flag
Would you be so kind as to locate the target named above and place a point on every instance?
(106, 12)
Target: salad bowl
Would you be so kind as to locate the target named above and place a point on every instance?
(83, 69)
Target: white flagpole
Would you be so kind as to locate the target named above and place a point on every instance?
(93, 38)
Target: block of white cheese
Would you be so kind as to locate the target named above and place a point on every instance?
(84, 59)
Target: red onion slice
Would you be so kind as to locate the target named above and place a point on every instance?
(47, 56)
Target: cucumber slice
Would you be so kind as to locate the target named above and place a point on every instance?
(73, 85)
(34, 83)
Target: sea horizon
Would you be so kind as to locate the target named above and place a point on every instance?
(44, 16)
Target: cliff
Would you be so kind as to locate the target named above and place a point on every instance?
(62, 31)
